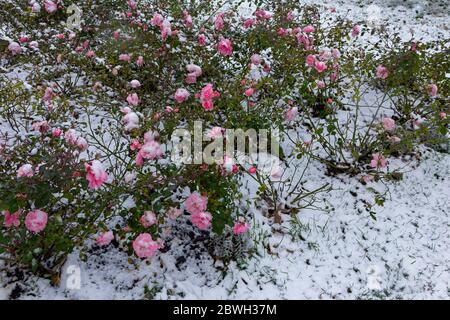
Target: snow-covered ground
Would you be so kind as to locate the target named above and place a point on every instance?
(342, 251)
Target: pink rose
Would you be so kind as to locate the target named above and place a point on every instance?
(276, 173)
(25, 171)
(150, 150)
(207, 92)
(320, 84)
(201, 39)
(140, 61)
(310, 60)
(156, 20)
(196, 203)
(14, 48)
(36, 221)
(181, 95)
(291, 114)
(225, 47)
(96, 175)
(240, 227)
(335, 53)
(125, 57)
(252, 170)
(135, 84)
(132, 4)
(148, 219)
(166, 29)
(144, 246)
(201, 220)
(320, 66)
(218, 22)
(308, 29)
(194, 72)
(35, 7)
(187, 19)
(50, 6)
(248, 23)
(388, 124)
(249, 92)
(378, 161)
(356, 30)
(432, 90)
(56, 132)
(105, 238)
(131, 121)
(41, 126)
(133, 99)
(255, 59)
(382, 72)
(11, 219)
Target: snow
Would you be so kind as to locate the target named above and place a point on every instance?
(342, 254)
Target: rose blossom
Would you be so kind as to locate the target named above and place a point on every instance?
(218, 22)
(25, 170)
(95, 174)
(248, 23)
(140, 61)
(181, 95)
(320, 66)
(310, 60)
(50, 6)
(432, 89)
(148, 219)
(156, 20)
(225, 47)
(194, 72)
(291, 114)
(36, 221)
(388, 124)
(133, 99)
(14, 48)
(35, 7)
(11, 220)
(356, 30)
(255, 59)
(249, 92)
(131, 121)
(196, 203)
(125, 57)
(308, 29)
(240, 227)
(150, 150)
(201, 39)
(378, 161)
(144, 246)
(135, 84)
(201, 220)
(105, 238)
(382, 72)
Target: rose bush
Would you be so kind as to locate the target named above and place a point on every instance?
(87, 127)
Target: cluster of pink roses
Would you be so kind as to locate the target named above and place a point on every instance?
(163, 24)
(206, 97)
(73, 138)
(151, 149)
(35, 221)
(196, 205)
(95, 174)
